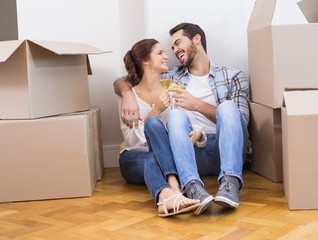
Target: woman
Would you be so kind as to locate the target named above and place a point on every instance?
(145, 158)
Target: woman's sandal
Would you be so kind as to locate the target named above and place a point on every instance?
(176, 205)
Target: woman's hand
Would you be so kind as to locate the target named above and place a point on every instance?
(195, 136)
(163, 101)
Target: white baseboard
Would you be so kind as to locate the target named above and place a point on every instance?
(111, 155)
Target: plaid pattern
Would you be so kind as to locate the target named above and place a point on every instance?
(227, 84)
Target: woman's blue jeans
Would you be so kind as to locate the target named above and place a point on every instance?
(151, 167)
(165, 150)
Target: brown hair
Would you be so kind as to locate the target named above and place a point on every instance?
(133, 59)
(190, 30)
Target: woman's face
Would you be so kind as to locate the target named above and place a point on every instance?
(158, 59)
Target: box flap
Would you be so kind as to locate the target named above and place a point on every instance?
(301, 102)
(309, 9)
(68, 48)
(7, 48)
(262, 14)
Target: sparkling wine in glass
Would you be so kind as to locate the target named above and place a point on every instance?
(175, 92)
(166, 82)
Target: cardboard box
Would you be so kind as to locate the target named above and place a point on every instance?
(266, 137)
(281, 55)
(300, 148)
(43, 78)
(98, 142)
(47, 158)
(95, 119)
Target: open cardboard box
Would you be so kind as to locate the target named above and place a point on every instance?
(47, 158)
(43, 78)
(281, 55)
(300, 148)
(265, 129)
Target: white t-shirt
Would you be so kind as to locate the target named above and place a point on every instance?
(200, 88)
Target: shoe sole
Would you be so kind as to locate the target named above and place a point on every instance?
(225, 202)
(184, 210)
(204, 205)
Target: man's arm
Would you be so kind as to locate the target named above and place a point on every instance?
(129, 107)
(187, 101)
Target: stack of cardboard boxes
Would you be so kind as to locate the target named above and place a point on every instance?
(50, 137)
(283, 61)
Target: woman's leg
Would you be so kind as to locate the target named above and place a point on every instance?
(160, 189)
(161, 167)
(158, 143)
(131, 165)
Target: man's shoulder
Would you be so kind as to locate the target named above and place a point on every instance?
(226, 71)
(177, 70)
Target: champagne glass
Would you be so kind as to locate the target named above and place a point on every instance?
(166, 84)
(175, 92)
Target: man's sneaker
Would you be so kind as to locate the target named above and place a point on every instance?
(228, 193)
(195, 190)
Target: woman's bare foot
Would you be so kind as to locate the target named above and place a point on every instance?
(174, 202)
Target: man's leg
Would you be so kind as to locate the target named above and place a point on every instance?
(179, 127)
(231, 136)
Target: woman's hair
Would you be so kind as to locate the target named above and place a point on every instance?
(133, 59)
(190, 30)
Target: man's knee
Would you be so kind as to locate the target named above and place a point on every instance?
(227, 110)
(176, 117)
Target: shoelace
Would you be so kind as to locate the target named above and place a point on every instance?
(226, 185)
(197, 192)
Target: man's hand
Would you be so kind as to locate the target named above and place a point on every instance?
(195, 136)
(129, 107)
(130, 110)
(184, 99)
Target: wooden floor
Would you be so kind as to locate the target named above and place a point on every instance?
(122, 211)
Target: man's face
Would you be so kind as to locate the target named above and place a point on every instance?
(184, 49)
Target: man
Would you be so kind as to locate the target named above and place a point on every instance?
(218, 98)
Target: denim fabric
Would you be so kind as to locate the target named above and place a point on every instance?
(131, 164)
(225, 150)
(158, 142)
(172, 150)
(179, 127)
(150, 167)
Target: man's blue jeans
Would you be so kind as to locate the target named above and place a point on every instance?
(225, 151)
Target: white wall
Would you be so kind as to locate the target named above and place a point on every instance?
(224, 23)
(116, 24)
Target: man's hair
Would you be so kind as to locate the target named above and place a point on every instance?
(190, 30)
